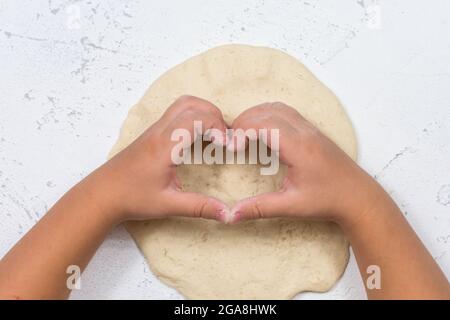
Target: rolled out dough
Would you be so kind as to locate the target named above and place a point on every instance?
(265, 259)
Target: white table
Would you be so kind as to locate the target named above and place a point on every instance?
(70, 72)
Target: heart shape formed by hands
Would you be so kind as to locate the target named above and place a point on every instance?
(205, 259)
(248, 150)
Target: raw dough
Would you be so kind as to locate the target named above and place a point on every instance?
(266, 259)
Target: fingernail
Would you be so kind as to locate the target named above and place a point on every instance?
(218, 141)
(237, 216)
(230, 145)
(224, 215)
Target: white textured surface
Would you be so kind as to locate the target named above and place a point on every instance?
(64, 92)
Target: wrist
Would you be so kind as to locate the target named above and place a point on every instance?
(363, 198)
(103, 197)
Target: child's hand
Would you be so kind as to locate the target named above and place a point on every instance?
(141, 181)
(322, 182)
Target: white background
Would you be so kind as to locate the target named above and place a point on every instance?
(66, 85)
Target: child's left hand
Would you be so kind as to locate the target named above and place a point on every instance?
(141, 183)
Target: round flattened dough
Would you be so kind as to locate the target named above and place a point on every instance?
(265, 259)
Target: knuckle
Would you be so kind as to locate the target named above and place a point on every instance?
(256, 210)
(255, 111)
(264, 119)
(278, 105)
(310, 141)
(185, 99)
(190, 112)
(188, 102)
(269, 121)
(311, 133)
(281, 106)
(188, 116)
(199, 208)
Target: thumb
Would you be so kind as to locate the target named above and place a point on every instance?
(196, 205)
(266, 205)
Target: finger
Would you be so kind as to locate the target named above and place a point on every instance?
(267, 205)
(190, 103)
(196, 205)
(238, 139)
(278, 109)
(280, 135)
(187, 118)
(184, 130)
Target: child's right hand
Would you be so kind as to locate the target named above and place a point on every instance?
(322, 182)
